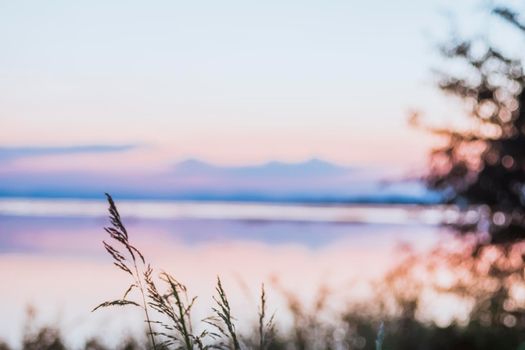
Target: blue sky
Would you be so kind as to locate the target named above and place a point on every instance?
(233, 82)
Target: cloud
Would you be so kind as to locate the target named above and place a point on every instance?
(13, 153)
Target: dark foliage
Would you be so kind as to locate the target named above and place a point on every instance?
(482, 164)
(490, 282)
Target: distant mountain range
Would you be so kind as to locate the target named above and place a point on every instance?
(271, 170)
(312, 181)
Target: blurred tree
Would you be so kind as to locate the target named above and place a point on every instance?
(482, 163)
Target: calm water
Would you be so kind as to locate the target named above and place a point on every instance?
(51, 255)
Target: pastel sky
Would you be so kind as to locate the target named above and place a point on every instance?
(229, 81)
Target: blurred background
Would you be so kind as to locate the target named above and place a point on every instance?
(364, 160)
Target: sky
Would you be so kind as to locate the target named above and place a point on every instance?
(141, 85)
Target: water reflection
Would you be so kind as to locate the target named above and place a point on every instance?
(56, 261)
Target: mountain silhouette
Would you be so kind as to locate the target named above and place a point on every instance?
(313, 180)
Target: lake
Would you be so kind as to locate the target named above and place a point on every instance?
(51, 255)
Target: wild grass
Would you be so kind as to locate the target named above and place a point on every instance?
(127, 258)
(223, 321)
(167, 306)
(266, 326)
(174, 327)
